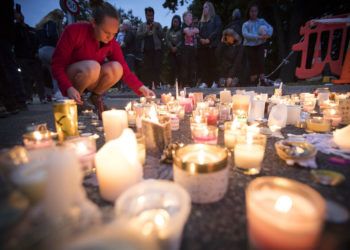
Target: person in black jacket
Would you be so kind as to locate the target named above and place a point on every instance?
(229, 54)
(208, 40)
(236, 23)
(26, 51)
(11, 86)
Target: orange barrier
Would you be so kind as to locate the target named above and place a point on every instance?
(318, 64)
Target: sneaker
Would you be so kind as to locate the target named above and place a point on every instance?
(57, 96)
(214, 85)
(97, 101)
(3, 112)
(203, 85)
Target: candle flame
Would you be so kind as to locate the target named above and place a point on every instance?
(201, 157)
(37, 135)
(283, 204)
(128, 107)
(197, 119)
(81, 148)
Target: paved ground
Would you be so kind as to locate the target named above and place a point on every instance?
(12, 127)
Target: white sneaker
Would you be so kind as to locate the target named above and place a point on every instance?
(214, 86)
(203, 85)
(57, 96)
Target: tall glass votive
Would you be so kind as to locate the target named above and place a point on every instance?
(232, 130)
(85, 149)
(205, 134)
(283, 214)
(203, 171)
(240, 103)
(309, 104)
(224, 112)
(66, 118)
(157, 210)
(249, 153)
(212, 115)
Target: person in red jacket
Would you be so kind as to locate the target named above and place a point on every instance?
(88, 57)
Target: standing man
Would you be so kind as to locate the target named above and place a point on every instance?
(150, 35)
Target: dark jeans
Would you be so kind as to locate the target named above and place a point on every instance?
(207, 65)
(255, 55)
(188, 66)
(152, 60)
(32, 72)
(175, 68)
(130, 61)
(12, 78)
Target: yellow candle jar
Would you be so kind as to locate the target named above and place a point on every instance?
(318, 124)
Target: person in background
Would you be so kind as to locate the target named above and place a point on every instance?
(87, 56)
(229, 53)
(255, 31)
(11, 86)
(236, 23)
(150, 35)
(174, 43)
(128, 45)
(188, 55)
(26, 51)
(208, 40)
(49, 29)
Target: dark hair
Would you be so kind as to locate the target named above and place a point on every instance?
(100, 9)
(251, 5)
(179, 19)
(149, 9)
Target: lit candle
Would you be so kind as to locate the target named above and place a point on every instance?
(225, 96)
(240, 102)
(205, 134)
(203, 171)
(85, 149)
(232, 130)
(165, 98)
(156, 210)
(333, 116)
(318, 124)
(212, 116)
(114, 122)
(117, 165)
(249, 153)
(283, 214)
(38, 139)
(174, 122)
(187, 104)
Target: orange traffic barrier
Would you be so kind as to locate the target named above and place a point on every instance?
(345, 72)
(318, 63)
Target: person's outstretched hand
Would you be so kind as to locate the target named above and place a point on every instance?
(75, 95)
(146, 91)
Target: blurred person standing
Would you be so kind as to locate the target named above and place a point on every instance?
(209, 37)
(26, 50)
(256, 31)
(11, 86)
(189, 54)
(174, 43)
(49, 30)
(150, 36)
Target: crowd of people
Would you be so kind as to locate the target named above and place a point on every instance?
(201, 52)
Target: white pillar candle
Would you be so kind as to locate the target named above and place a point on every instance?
(225, 96)
(283, 214)
(114, 122)
(248, 156)
(117, 165)
(293, 114)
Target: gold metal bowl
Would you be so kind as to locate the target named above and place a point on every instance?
(295, 150)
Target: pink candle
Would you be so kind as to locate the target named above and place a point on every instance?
(187, 104)
(205, 134)
(283, 214)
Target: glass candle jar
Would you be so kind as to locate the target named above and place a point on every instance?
(249, 153)
(205, 134)
(203, 171)
(283, 214)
